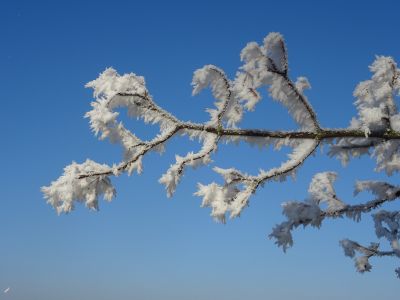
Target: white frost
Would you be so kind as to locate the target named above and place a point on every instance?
(68, 189)
(321, 190)
(173, 175)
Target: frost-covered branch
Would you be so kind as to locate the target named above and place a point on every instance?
(375, 131)
(322, 192)
(387, 225)
(175, 172)
(268, 65)
(361, 262)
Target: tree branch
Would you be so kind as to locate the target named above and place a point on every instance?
(354, 211)
(376, 126)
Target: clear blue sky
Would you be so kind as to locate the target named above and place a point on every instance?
(142, 245)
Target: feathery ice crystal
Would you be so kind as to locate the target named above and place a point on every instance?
(374, 131)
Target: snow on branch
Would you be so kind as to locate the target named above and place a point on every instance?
(375, 131)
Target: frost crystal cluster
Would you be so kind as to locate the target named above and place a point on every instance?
(375, 131)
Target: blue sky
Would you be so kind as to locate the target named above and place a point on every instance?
(143, 245)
